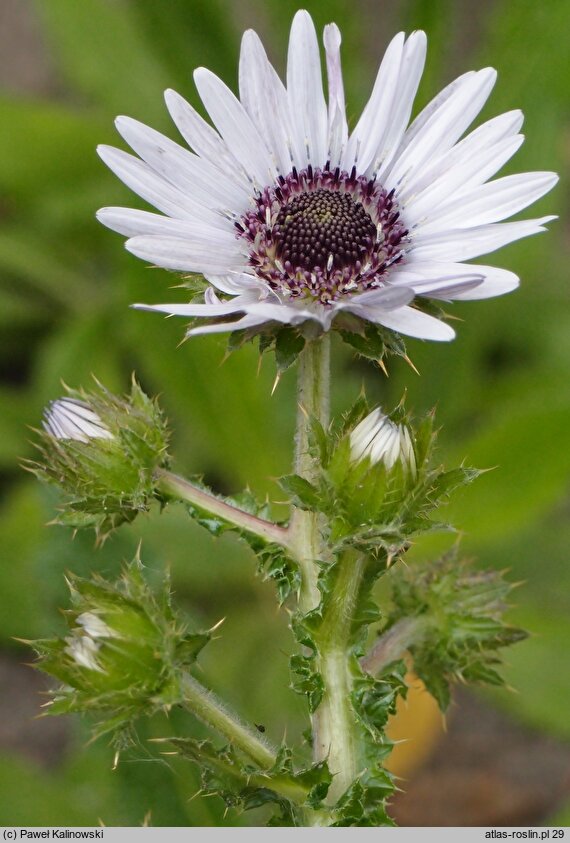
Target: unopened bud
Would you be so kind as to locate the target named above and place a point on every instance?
(380, 440)
(124, 649)
(102, 451)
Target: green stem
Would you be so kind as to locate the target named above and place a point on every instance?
(305, 529)
(180, 489)
(205, 705)
(333, 724)
(335, 729)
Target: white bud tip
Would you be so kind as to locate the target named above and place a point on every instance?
(83, 651)
(95, 626)
(379, 439)
(69, 418)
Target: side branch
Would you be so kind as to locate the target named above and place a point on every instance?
(393, 644)
(180, 489)
(207, 707)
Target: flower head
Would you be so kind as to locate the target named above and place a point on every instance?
(103, 452)
(291, 218)
(379, 439)
(124, 649)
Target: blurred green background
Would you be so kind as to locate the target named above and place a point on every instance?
(501, 389)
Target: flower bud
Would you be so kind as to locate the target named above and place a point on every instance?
(103, 452)
(378, 439)
(124, 649)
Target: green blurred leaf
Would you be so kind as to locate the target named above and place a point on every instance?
(103, 52)
(531, 445)
(538, 672)
(55, 801)
(42, 268)
(46, 143)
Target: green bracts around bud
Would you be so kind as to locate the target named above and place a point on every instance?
(125, 651)
(102, 450)
(376, 485)
(456, 620)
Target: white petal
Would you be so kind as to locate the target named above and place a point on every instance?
(464, 175)
(437, 280)
(239, 303)
(364, 432)
(462, 245)
(491, 202)
(247, 321)
(131, 222)
(203, 139)
(411, 69)
(392, 449)
(82, 650)
(496, 282)
(235, 283)
(412, 322)
(305, 92)
(434, 105)
(265, 99)
(443, 128)
(197, 255)
(292, 314)
(151, 187)
(235, 126)
(69, 418)
(200, 179)
(483, 137)
(258, 313)
(388, 297)
(94, 626)
(338, 127)
(374, 122)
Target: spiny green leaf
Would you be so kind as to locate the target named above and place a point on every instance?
(306, 681)
(288, 345)
(373, 342)
(274, 564)
(320, 441)
(446, 482)
(303, 493)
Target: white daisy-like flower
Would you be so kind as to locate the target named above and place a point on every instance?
(290, 217)
(377, 438)
(69, 418)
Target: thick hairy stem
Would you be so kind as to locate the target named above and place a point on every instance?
(393, 644)
(312, 401)
(333, 724)
(180, 489)
(335, 729)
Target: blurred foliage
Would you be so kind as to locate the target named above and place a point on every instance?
(65, 287)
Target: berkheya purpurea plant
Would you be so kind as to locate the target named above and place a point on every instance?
(288, 226)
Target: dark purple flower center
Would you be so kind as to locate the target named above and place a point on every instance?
(321, 234)
(323, 227)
